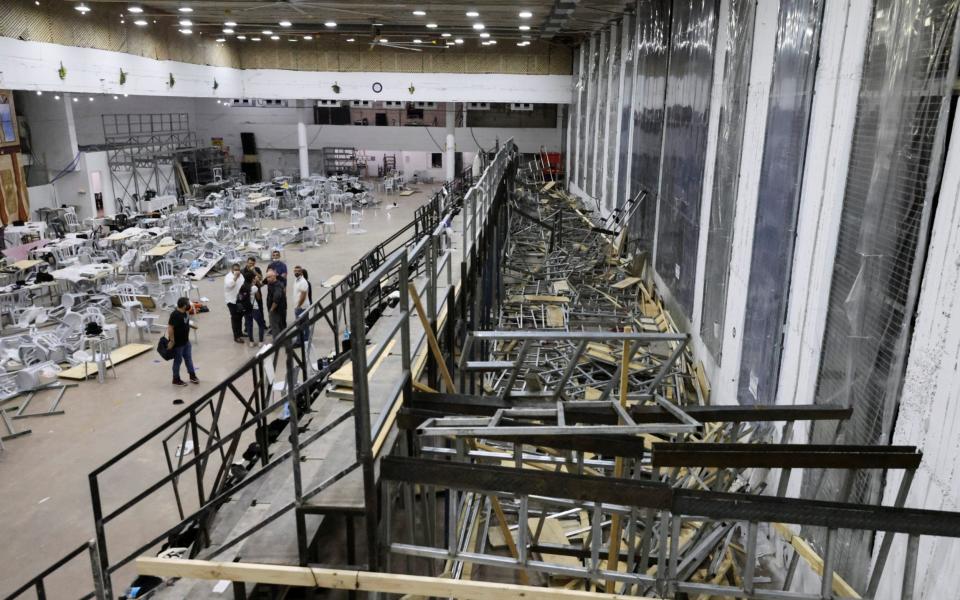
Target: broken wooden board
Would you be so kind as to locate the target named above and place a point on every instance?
(344, 375)
(625, 283)
(555, 317)
(537, 298)
(561, 286)
(552, 533)
(120, 355)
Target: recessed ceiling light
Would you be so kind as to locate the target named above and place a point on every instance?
(227, 30)
(229, 23)
(525, 14)
(135, 10)
(221, 40)
(458, 41)
(267, 32)
(308, 37)
(274, 37)
(39, 93)
(524, 28)
(492, 42)
(446, 35)
(122, 21)
(241, 37)
(484, 35)
(140, 23)
(291, 39)
(185, 22)
(384, 40)
(472, 13)
(186, 9)
(420, 13)
(57, 97)
(186, 31)
(431, 25)
(284, 23)
(125, 95)
(90, 98)
(350, 39)
(83, 8)
(74, 99)
(418, 41)
(478, 26)
(115, 98)
(330, 24)
(256, 39)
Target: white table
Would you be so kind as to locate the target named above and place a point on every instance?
(13, 234)
(158, 203)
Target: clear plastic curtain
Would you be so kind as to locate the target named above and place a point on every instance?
(778, 200)
(726, 176)
(895, 165)
(625, 110)
(599, 115)
(692, 48)
(612, 119)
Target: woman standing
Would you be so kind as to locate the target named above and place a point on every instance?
(256, 307)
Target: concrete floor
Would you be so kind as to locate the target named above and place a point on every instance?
(44, 495)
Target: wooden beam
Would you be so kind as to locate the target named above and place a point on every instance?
(810, 556)
(345, 579)
(431, 339)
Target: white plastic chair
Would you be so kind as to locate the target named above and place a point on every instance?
(356, 217)
(309, 235)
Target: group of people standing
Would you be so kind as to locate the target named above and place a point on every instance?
(255, 298)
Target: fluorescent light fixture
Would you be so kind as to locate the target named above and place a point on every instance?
(135, 10)
(186, 31)
(350, 39)
(90, 98)
(419, 13)
(330, 24)
(256, 39)
(140, 23)
(221, 40)
(125, 95)
(445, 35)
(308, 37)
(384, 40)
(230, 24)
(186, 23)
(478, 26)
(492, 42)
(83, 8)
(39, 93)
(458, 41)
(291, 39)
(267, 32)
(241, 37)
(274, 37)
(431, 25)
(417, 41)
(227, 30)
(472, 13)
(484, 35)
(525, 14)
(57, 97)
(284, 23)
(74, 99)
(185, 9)
(115, 98)
(524, 28)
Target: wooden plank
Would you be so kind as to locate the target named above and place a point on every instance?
(810, 556)
(121, 354)
(367, 581)
(561, 286)
(431, 339)
(625, 283)
(555, 317)
(332, 281)
(537, 298)
(344, 375)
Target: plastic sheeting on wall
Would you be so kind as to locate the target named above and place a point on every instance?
(649, 93)
(611, 123)
(726, 177)
(625, 110)
(778, 199)
(590, 114)
(595, 184)
(692, 44)
(575, 116)
(895, 166)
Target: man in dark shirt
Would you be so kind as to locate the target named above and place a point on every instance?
(276, 303)
(178, 336)
(279, 267)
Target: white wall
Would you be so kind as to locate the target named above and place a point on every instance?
(33, 65)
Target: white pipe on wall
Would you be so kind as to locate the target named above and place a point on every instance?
(304, 151)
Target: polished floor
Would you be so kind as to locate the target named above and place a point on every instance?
(45, 508)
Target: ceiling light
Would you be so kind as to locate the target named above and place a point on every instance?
(186, 9)
(330, 24)
(525, 14)
(241, 37)
(122, 21)
(384, 40)
(135, 10)
(185, 22)
(74, 99)
(484, 43)
(308, 37)
(266, 32)
(186, 31)
(446, 35)
(140, 23)
(90, 98)
(472, 13)
(524, 28)
(291, 39)
(350, 39)
(458, 41)
(82, 8)
(39, 93)
(229, 23)
(124, 95)
(274, 37)
(57, 97)
(419, 13)
(227, 30)
(221, 40)
(115, 98)
(418, 41)
(256, 39)
(484, 35)
(524, 43)
(431, 25)
(492, 42)
(478, 26)
(284, 23)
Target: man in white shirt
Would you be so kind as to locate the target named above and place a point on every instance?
(302, 297)
(231, 288)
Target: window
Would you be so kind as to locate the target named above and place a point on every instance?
(360, 103)
(521, 106)
(436, 160)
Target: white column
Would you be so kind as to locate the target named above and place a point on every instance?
(304, 153)
(71, 126)
(450, 148)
